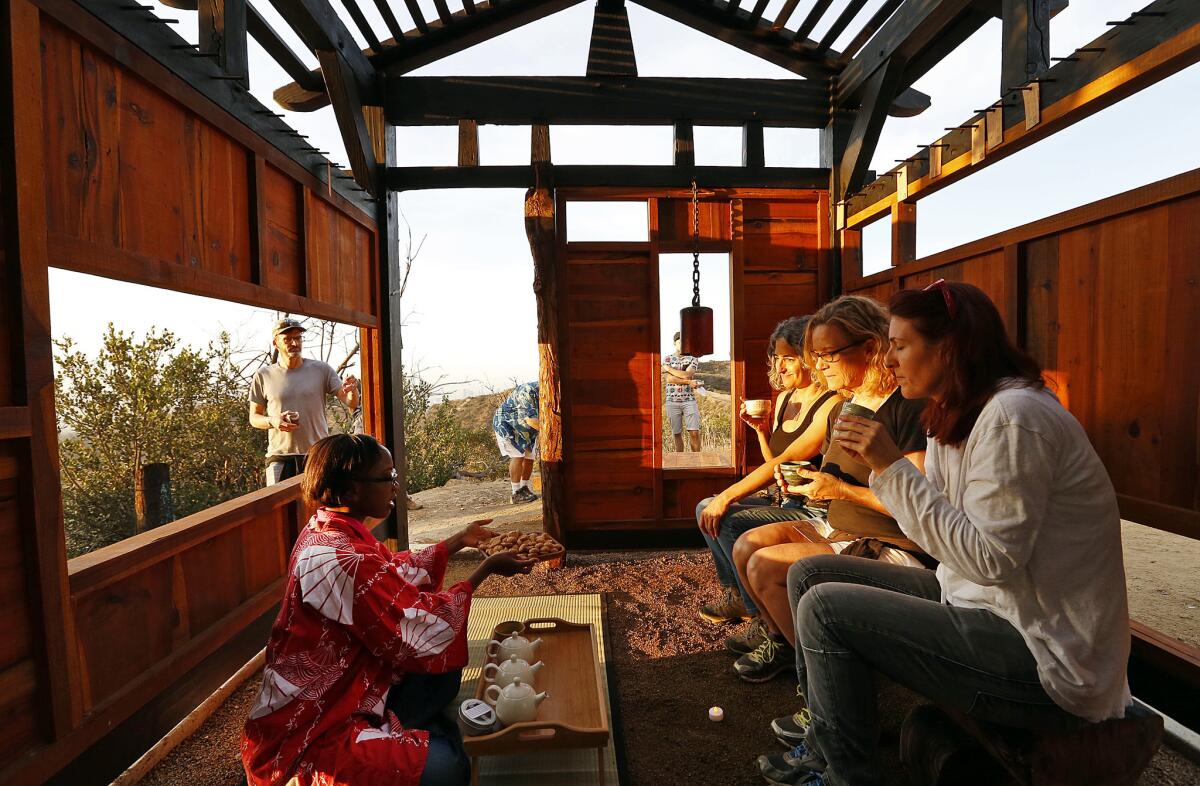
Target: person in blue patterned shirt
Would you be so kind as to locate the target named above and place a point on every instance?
(516, 426)
(679, 376)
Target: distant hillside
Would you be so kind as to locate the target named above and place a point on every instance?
(475, 412)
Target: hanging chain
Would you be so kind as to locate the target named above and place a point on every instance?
(695, 244)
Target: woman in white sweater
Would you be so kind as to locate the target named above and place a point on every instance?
(1026, 621)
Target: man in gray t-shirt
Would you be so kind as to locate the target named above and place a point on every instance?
(288, 398)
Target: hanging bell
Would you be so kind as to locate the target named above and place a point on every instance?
(696, 330)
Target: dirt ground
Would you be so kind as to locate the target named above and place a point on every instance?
(669, 664)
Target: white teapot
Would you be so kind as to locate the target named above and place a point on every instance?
(508, 671)
(514, 703)
(516, 644)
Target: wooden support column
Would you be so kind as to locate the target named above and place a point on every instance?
(390, 342)
(834, 137)
(539, 144)
(684, 154)
(31, 462)
(540, 229)
(904, 232)
(753, 151)
(1026, 50)
(222, 33)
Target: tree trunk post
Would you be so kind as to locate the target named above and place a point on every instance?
(152, 501)
(539, 227)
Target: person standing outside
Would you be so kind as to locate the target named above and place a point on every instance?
(516, 426)
(288, 399)
(679, 375)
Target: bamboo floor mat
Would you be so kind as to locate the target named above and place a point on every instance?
(565, 768)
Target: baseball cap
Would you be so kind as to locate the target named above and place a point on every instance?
(284, 325)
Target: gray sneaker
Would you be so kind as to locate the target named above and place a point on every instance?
(728, 609)
(748, 640)
(522, 495)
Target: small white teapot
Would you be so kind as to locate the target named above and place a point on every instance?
(514, 703)
(511, 670)
(516, 644)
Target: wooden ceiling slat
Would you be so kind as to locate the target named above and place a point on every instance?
(443, 11)
(814, 16)
(418, 17)
(759, 8)
(870, 28)
(841, 23)
(389, 19)
(364, 27)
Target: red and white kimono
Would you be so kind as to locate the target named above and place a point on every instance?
(355, 619)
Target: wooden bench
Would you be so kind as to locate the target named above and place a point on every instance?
(943, 747)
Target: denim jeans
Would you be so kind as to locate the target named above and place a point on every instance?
(419, 703)
(751, 512)
(857, 616)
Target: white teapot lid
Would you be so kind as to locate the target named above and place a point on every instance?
(517, 690)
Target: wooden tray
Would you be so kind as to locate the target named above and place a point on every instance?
(575, 714)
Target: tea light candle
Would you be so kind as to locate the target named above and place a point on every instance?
(716, 714)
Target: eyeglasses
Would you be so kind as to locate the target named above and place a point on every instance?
(947, 295)
(832, 355)
(392, 478)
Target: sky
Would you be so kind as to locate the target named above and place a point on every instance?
(469, 311)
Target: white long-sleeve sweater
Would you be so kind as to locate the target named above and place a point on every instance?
(1024, 521)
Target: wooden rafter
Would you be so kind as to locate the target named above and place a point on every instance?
(610, 51)
(433, 41)
(840, 24)
(322, 30)
(432, 100)
(221, 33)
(364, 27)
(920, 33)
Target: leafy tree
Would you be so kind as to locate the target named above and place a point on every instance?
(143, 401)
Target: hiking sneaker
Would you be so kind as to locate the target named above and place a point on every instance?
(790, 730)
(769, 660)
(798, 766)
(728, 609)
(522, 495)
(748, 640)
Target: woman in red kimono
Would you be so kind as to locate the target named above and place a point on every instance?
(368, 649)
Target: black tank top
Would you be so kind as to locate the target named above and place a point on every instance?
(780, 439)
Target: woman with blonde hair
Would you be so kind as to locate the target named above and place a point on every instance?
(792, 430)
(846, 342)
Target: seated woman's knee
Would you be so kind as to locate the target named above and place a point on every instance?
(701, 505)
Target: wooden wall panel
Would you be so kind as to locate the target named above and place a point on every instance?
(781, 234)
(609, 396)
(283, 241)
(675, 220)
(141, 188)
(1106, 298)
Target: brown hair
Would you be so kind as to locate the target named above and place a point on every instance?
(332, 465)
(791, 332)
(975, 348)
(860, 318)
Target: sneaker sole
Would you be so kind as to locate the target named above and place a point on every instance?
(721, 621)
(760, 677)
(771, 779)
(783, 738)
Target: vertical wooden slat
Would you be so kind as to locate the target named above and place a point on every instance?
(468, 143)
(904, 232)
(753, 151)
(222, 32)
(684, 154)
(258, 220)
(539, 147)
(25, 222)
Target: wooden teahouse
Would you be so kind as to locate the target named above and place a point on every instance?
(133, 155)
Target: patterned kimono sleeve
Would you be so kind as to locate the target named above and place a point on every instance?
(411, 630)
(424, 569)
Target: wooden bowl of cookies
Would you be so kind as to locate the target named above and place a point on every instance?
(536, 545)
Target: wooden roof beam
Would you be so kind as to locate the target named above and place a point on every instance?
(920, 32)
(1126, 59)
(610, 51)
(868, 123)
(437, 40)
(322, 30)
(580, 176)
(607, 100)
(348, 109)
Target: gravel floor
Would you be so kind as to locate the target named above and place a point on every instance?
(670, 667)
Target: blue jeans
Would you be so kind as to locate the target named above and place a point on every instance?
(855, 617)
(751, 512)
(419, 703)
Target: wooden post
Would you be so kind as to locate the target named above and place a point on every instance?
(468, 143)
(904, 232)
(685, 145)
(152, 501)
(390, 365)
(539, 228)
(753, 152)
(222, 32)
